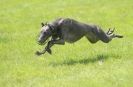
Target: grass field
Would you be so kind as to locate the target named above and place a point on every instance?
(81, 64)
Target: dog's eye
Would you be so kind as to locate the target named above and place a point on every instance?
(44, 33)
(41, 31)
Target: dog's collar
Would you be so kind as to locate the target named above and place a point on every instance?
(51, 27)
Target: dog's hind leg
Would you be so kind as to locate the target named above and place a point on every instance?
(106, 37)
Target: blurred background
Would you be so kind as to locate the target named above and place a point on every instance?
(81, 64)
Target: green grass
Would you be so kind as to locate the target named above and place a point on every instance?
(81, 64)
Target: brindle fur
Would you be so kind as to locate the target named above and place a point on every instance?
(70, 30)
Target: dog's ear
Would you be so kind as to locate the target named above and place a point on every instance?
(46, 23)
(42, 24)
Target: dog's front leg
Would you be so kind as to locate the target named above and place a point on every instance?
(49, 45)
(40, 53)
(52, 42)
(47, 48)
(59, 42)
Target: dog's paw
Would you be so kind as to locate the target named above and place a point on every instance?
(49, 51)
(37, 53)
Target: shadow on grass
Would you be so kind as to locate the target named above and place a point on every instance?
(83, 61)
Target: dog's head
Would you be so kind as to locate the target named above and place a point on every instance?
(45, 33)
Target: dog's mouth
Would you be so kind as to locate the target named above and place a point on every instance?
(43, 42)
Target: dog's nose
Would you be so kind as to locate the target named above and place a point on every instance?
(39, 41)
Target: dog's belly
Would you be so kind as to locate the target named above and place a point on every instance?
(71, 38)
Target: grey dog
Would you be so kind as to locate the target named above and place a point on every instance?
(69, 30)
